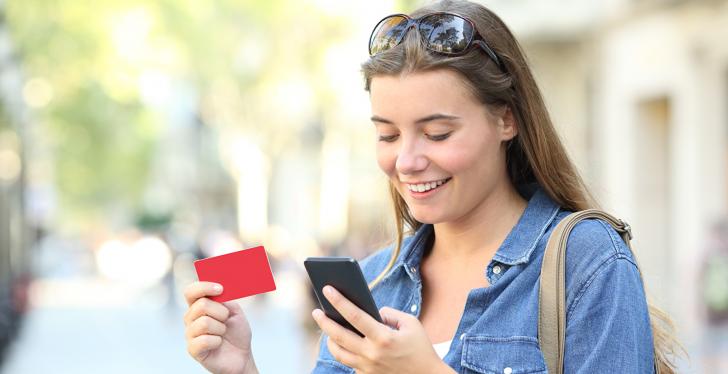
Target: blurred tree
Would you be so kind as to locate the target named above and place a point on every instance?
(96, 67)
(100, 150)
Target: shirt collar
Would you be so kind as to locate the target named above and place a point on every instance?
(515, 249)
(531, 227)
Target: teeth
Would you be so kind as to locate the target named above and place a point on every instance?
(422, 187)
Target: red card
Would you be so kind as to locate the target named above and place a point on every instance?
(242, 273)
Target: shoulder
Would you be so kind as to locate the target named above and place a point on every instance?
(595, 250)
(592, 242)
(375, 263)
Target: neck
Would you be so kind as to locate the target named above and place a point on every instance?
(481, 231)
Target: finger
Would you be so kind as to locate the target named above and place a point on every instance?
(342, 355)
(205, 325)
(196, 290)
(206, 307)
(234, 307)
(394, 318)
(357, 317)
(339, 334)
(199, 347)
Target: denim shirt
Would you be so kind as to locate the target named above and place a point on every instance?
(607, 322)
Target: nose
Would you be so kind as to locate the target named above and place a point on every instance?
(411, 158)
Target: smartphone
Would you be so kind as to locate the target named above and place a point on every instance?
(344, 274)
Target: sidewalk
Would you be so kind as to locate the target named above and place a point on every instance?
(113, 334)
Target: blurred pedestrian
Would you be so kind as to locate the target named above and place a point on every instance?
(714, 291)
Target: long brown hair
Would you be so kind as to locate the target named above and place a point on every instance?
(535, 155)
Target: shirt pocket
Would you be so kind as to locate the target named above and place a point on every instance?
(498, 354)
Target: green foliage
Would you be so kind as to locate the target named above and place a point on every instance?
(233, 54)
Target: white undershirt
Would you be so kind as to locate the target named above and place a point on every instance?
(442, 348)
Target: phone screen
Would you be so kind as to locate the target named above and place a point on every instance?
(344, 274)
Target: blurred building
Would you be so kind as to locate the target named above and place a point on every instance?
(638, 90)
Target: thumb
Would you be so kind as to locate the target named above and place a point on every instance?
(394, 318)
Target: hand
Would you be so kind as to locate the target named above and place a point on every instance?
(400, 345)
(218, 334)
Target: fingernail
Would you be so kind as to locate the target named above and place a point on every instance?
(329, 290)
(217, 288)
(317, 313)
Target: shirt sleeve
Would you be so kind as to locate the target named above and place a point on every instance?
(325, 363)
(608, 326)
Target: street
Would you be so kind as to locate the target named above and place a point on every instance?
(111, 333)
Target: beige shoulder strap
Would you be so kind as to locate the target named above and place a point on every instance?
(552, 293)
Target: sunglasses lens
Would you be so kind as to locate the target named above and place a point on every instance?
(387, 34)
(446, 33)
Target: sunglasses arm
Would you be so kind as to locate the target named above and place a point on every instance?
(490, 53)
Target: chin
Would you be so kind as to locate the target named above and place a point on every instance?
(427, 217)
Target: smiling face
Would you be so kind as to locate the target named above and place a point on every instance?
(441, 148)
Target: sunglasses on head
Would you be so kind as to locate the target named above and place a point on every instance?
(444, 33)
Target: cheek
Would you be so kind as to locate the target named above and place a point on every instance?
(471, 159)
(386, 159)
(456, 162)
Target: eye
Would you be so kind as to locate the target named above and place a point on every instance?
(438, 138)
(387, 138)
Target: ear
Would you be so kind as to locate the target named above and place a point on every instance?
(507, 124)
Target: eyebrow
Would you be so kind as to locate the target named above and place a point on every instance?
(430, 118)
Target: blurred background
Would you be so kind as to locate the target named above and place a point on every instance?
(138, 136)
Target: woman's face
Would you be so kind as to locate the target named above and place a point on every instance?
(439, 146)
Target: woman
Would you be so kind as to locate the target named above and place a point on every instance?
(478, 173)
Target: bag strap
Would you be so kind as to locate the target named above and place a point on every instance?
(552, 291)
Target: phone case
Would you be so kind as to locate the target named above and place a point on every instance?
(344, 274)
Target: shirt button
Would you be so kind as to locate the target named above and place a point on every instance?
(507, 370)
(414, 270)
(497, 270)
(413, 308)
(462, 336)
